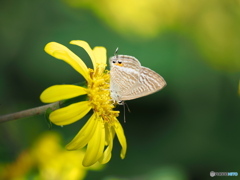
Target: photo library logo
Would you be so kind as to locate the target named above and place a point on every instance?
(212, 174)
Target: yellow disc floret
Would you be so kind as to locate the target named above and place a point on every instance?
(99, 96)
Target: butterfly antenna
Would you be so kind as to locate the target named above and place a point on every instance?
(127, 107)
(124, 110)
(124, 117)
(116, 52)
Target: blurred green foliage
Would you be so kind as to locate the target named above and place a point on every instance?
(185, 131)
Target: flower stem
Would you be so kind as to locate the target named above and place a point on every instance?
(29, 112)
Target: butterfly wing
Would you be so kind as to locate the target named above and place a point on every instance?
(149, 82)
(125, 73)
(130, 80)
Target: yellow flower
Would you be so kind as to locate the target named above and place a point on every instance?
(47, 160)
(209, 24)
(101, 127)
(54, 162)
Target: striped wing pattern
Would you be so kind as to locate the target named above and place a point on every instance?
(149, 82)
(130, 80)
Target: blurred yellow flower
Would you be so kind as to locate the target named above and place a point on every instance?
(213, 26)
(101, 127)
(47, 160)
(18, 169)
(54, 162)
(144, 18)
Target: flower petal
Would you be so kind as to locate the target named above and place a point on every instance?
(87, 48)
(96, 145)
(61, 52)
(100, 54)
(121, 138)
(107, 154)
(70, 114)
(84, 135)
(60, 92)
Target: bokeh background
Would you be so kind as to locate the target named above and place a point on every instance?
(183, 132)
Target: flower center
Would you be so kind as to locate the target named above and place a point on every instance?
(99, 96)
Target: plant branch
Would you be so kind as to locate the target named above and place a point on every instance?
(29, 112)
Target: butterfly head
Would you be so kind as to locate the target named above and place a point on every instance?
(115, 61)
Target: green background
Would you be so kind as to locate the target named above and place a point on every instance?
(183, 132)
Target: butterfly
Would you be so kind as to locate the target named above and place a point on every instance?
(129, 80)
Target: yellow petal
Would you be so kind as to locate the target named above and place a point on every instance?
(70, 114)
(100, 54)
(96, 145)
(108, 137)
(107, 154)
(61, 52)
(121, 138)
(97, 56)
(60, 92)
(84, 135)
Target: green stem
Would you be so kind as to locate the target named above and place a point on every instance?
(29, 112)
